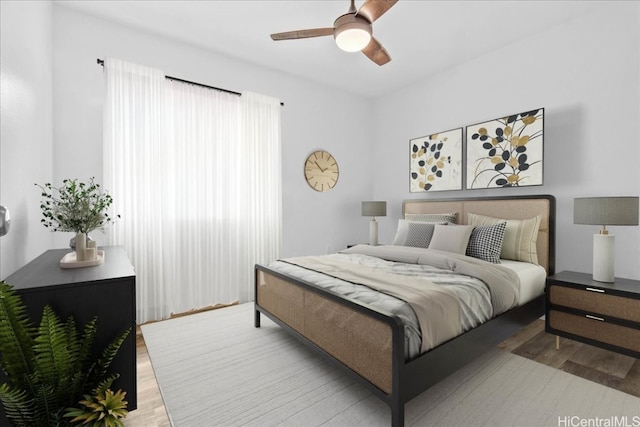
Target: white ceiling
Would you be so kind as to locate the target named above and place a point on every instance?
(422, 37)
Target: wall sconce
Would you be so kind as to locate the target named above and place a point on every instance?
(374, 209)
(605, 211)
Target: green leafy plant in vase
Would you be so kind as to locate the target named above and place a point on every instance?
(76, 207)
(50, 369)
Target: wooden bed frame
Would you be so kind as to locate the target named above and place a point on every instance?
(369, 343)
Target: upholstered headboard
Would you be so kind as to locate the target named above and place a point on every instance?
(515, 207)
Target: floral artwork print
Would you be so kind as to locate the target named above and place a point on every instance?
(506, 152)
(436, 162)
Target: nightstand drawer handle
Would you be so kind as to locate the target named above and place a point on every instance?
(595, 290)
(594, 317)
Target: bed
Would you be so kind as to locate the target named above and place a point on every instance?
(371, 341)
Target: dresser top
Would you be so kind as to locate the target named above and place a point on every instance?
(45, 270)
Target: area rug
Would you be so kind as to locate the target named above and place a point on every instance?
(216, 369)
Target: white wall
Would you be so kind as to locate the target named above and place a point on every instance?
(25, 127)
(586, 74)
(314, 117)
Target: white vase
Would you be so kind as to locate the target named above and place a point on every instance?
(90, 254)
(81, 245)
(72, 241)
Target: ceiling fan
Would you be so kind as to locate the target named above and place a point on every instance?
(352, 31)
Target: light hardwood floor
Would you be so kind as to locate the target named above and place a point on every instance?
(151, 410)
(605, 367)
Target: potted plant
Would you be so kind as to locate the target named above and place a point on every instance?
(103, 408)
(50, 369)
(76, 207)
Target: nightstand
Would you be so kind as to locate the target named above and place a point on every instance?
(605, 315)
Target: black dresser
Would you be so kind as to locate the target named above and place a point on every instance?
(107, 290)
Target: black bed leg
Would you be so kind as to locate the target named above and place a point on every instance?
(256, 320)
(397, 415)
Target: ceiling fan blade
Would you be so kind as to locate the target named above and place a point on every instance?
(376, 52)
(374, 9)
(303, 34)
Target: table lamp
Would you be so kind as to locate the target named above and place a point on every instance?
(605, 211)
(374, 209)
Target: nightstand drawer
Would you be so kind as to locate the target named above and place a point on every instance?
(609, 333)
(596, 302)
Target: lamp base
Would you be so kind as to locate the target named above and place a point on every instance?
(604, 258)
(373, 232)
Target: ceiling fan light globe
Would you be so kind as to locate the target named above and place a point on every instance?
(353, 37)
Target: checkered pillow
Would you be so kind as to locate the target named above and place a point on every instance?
(486, 242)
(419, 235)
(520, 236)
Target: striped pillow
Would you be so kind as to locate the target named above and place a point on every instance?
(520, 236)
(443, 217)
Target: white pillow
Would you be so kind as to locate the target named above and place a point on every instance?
(403, 230)
(451, 238)
(520, 236)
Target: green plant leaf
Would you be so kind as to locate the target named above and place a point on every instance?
(49, 368)
(19, 408)
(75, 206)
(109, 353)
(16, 332)
(103, 408)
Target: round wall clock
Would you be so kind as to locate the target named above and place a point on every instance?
(321, 171)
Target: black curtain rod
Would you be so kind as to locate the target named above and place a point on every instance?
(101, 62)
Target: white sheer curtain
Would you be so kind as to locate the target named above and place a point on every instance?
(260, 179)
(133, 156)
(195, 175)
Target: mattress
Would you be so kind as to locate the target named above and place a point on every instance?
(532, 279)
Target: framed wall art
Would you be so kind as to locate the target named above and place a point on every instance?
(506, 152)
(436, 162)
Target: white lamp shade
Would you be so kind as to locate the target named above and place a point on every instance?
(353, 38)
